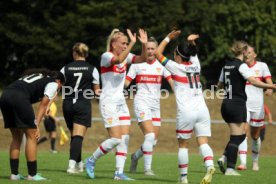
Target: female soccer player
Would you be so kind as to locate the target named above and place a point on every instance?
(192, 112)
(80, 77)
(113, 107)
(16, 106)
(233, 78)
(147, 103)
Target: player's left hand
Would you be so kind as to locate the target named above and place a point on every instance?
(143, 36)
(269, 92)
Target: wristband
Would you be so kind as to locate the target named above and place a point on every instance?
(167, 39)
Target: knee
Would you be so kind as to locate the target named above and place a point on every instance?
(150, 137)
(237, 139)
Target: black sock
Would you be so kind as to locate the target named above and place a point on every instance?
(79, 158)
(76, 146)
(53, 143)
(14, 163)
(232, 150)
(32, 168)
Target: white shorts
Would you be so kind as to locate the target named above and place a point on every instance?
(188, 121)
(144, 112)
(114, 114)
(255, 118)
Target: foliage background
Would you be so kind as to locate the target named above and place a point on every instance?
(41, 33)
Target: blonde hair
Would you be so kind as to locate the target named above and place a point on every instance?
(81, 49)
(238, 47)
(114, 35)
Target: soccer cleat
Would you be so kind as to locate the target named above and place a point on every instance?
(208, 176)
(241, 167)
(231, 172)
(122, 176)
(89, 167)
(16, 177)
(133, 164)
(221, 165)
(149, 172)
(183, 180)
(80, 166)
(54, 151)
(72, 170)
(255, 166)
(36, 177)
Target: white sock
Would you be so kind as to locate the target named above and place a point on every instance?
(121, 153)
(183, 161)
(243, 152)
(207, 154)
(72, 163)
(256, 146)
(105, 147)
(155, 142)
(147, 150)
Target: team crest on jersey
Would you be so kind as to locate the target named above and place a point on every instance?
(158, 70)
(257, 73)
(109, 120)
(142, 115)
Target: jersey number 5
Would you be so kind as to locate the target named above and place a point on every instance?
(227, 81)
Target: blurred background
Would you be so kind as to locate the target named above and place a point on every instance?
(41, 33)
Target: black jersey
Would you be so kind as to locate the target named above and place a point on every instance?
(79, 78)
(233, 76)
(32, 85)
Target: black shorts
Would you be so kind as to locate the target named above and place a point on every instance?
(49, 124)
(234, 112)
(17, 110)
(79, 112)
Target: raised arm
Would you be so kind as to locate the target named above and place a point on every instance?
(123, 55)
(143, 37)
(160, 49)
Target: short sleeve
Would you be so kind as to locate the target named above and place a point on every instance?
(245, 71)
(51, 90)
(221, 76)
(166, 74)
(130, 58)
(63, 72)
(96, 76)
(106, 59)
(131, 73)
(267, 73)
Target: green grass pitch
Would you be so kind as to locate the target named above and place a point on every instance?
(53, 167)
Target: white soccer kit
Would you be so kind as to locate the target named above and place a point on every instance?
(192, 112)
(147, 99)
(113, 106)
(255, 95)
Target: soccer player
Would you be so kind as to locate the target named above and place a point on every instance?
(255, 108)
(147, 103)
(81, 78)
(233, 79)
(16, 106)
(113, 107)
(50, 122)
(192, 112)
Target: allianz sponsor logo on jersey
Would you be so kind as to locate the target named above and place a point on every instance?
(192, 68)
(157, 79)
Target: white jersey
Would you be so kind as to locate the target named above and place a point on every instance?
(113, 78)
(255, 95)
(148, 80)
(187, 86)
